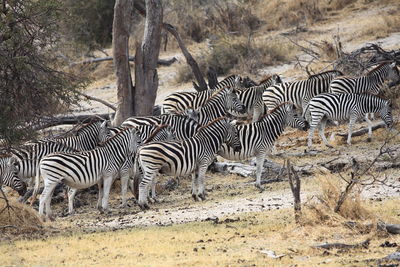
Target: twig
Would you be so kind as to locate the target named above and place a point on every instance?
(98, 100)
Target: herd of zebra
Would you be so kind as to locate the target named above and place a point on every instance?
(194, 128)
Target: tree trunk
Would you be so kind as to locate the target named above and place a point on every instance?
(123, 11)
(146, 78)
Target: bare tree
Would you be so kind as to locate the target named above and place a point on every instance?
(146, 78)
(123, 11)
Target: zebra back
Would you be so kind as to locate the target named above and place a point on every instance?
(370, 83)
(179, 102)
(299, 92)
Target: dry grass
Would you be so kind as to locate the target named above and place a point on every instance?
(18, 219)
(205, 243)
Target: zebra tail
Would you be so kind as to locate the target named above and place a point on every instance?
(306, 113)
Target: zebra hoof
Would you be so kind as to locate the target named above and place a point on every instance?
(202, 197)
(330, 146)
(144, 206)
(123, 206)
(369, 139)
(258, 185)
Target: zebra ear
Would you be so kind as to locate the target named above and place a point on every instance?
(104, 124)
(393, 64)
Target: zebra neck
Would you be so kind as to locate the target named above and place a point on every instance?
(377, 78)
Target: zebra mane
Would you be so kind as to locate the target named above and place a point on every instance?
(265, 79)
(102, 144)
(214, 95)
(378, 67)
(86, 126)
(325, 72)
(5, 156)
(210, 123)
(156, 131)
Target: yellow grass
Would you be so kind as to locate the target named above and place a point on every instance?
(205, 244)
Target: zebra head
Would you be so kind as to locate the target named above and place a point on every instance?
(9, 175)
(232, 136)
(386, 113)
(104, 132)
(134, 141)
(233, 102)
(393, 74)
(293, 119)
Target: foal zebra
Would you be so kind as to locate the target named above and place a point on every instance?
(257, 139)
(345, 106)
(179, 158)
(182, 126)
(84, 169)
(299, 92)
(370, 83)
(9, 174)
(222, 102)
(179, 102)
(252, 98)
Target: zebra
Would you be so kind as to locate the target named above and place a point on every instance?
(299, 92)
(9, 174)
(179, 158)
(146, 134)
(84, 169)
(370, 83)
(257, 139)
(252, 98)
(345, 106)
(222, 102)
(87, 138)
(179, 102)
(182, 126)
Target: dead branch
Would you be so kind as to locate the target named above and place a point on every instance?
(160, 62)
(390, 228)
(295, 187)
(363, 131)
(364, 244)
(68, 120)
(98, 100)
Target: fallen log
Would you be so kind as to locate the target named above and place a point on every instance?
(390, 228)
(69, 120)
(160, 62)
(364, 244)
(363, 131)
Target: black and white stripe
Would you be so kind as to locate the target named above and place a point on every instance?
(299, 92)
(252, 98)
(9, 174)
(342, 107)
(182, 126)
(181, 101)
(370, 83)
(190, 156)
(220, 104)
(257, 139)
(83, 169)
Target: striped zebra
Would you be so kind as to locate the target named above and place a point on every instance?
(87, 138)
(84, 169)
(222, 102)
(252, 98)
(370, 83)
(182, 126)
(9, 174)
(190, 156)
(257, 139)
(342, 107)
(299, 92)
(146, 134)
(179, 102)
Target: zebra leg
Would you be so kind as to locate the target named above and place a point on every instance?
(153, 194)
(144, 190)
(195, 185)
(45, 199)
(107, 182)
(260, 165)
(100, 188)
(322, 132)
(351, 125)
(313, 124)
(200, 178)
(369, 127)
(71, 196)
(124, 188)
